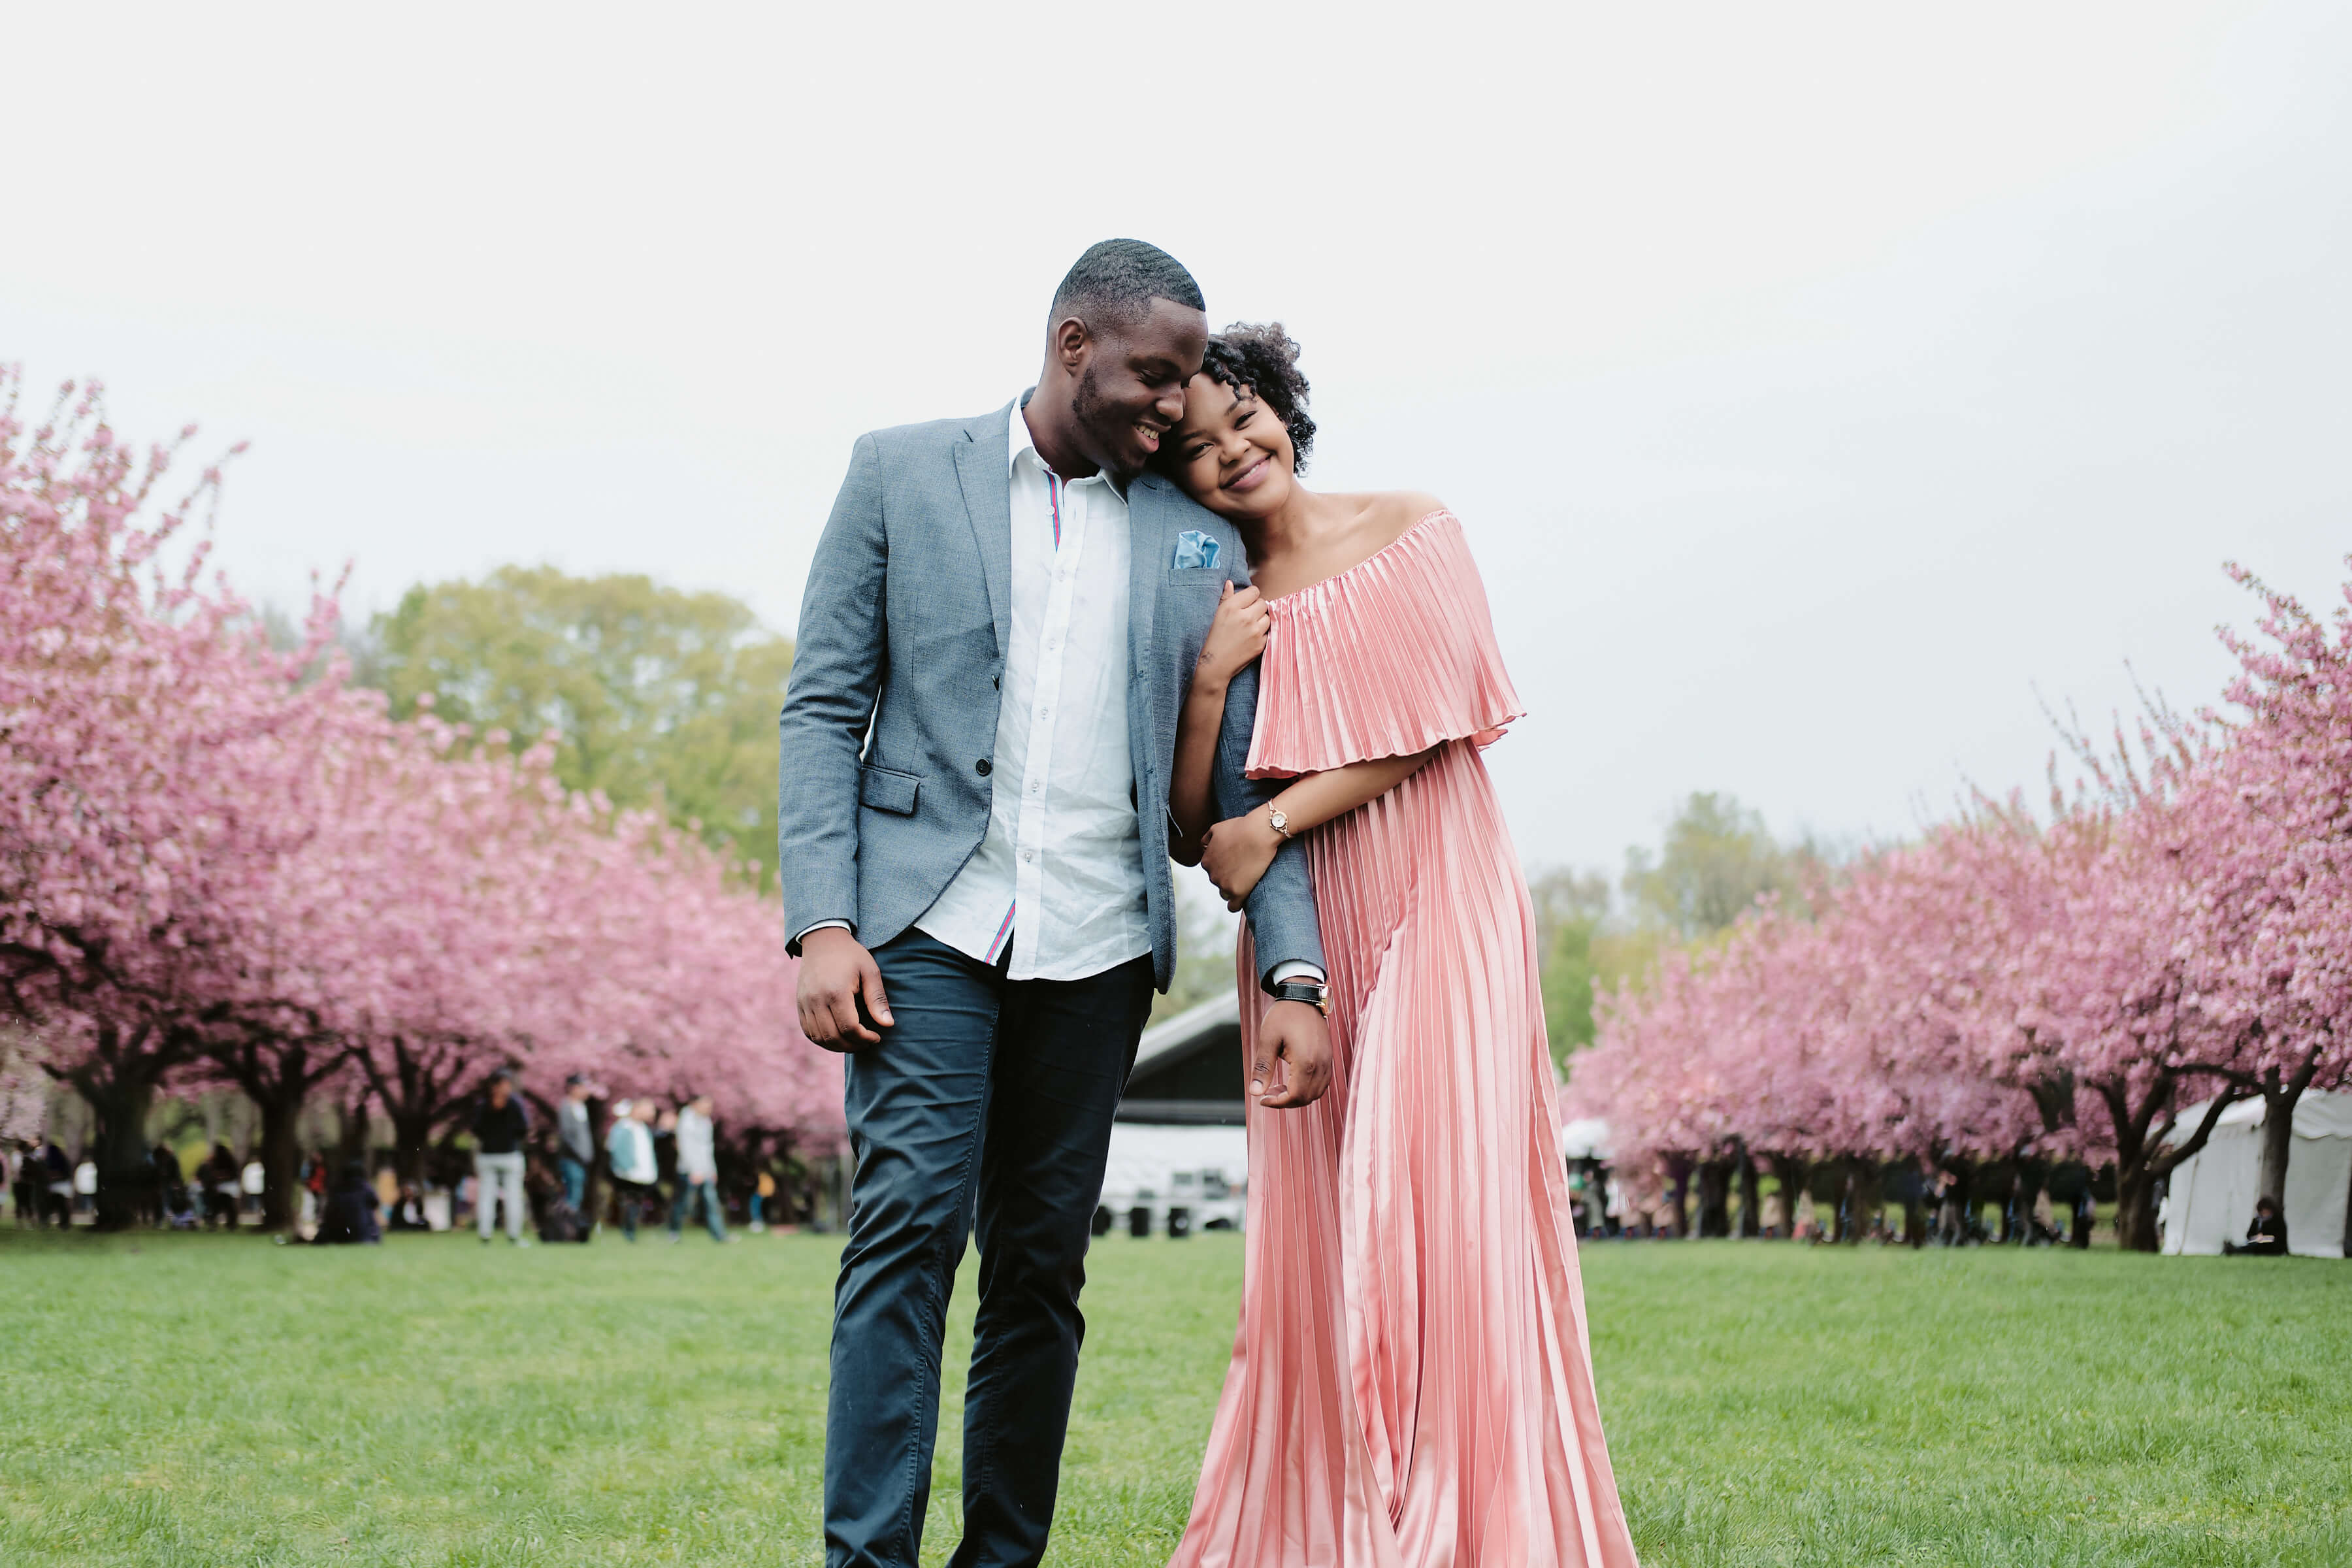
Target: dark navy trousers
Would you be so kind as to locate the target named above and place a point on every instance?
(990, 1103)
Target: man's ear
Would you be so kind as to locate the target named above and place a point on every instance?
(1070, 342)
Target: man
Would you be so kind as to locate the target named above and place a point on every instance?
(636, 1173)
(575, 1144)
(500, 1125)
(999, 628)
(2265, 1237)
(698, 1171)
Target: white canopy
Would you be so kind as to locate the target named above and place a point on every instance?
(2212, 1195)
(1204, 1170)
(1584, 1137)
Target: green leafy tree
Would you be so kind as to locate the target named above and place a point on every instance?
(655, 694)
(1572, 913)
(1718, 859)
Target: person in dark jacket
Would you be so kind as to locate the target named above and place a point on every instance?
(500, 1126)
(2265, 1237)
(172, 1205)
(408, 1210)
(217, 1183)
(56, 1185)
(348, 1214)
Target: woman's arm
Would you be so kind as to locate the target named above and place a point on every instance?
(1240, 849)
(1235, 637)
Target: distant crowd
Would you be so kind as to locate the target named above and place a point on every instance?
(632, 1163)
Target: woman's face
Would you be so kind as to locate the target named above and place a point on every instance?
(1231, 453)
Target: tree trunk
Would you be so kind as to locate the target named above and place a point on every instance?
(352, 1142)
(1796, 1196)
(2278, 1140)
(2136, 1210)
(411, 1135)
(1678, 1200)
(281, 1164)
(126, 1177)
(1715, 1199)
(1751, 1198)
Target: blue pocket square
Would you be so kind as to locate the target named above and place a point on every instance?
(1195, 550)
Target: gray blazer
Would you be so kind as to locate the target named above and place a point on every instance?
(889, 729)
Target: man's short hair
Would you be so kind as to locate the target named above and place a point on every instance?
(1117, 279)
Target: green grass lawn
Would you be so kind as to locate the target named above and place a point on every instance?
(217, 1400)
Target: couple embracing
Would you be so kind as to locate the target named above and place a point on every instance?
(1043, 652)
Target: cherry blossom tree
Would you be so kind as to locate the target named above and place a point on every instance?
(220, 862)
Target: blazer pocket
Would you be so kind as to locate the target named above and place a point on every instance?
(887, 791)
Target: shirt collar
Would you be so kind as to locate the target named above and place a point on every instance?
(1017, 440)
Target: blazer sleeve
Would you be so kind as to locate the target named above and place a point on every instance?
(837, 669)
(1282, 926)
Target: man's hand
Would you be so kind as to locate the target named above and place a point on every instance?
(836, 972)
(1293, 1034)
(1235, 854)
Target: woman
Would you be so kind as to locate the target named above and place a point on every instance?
(1412, 1379)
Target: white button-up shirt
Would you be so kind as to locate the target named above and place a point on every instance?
(1059, 874)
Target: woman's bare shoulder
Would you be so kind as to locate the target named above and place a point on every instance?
(1383, 517)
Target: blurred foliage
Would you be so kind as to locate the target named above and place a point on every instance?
(1715, 860)
(655, 695)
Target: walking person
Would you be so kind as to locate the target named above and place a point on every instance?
(220, 1181)
(500, 1126)
(1412, 1379)
(998, 626)
(629, 1154)
(575, 1140)
(698, 1171)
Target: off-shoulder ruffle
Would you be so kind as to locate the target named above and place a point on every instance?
(1389, 657)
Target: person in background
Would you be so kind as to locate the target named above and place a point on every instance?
(500, 1125)
(2265, 1237)
(665, 1126)
(23, 1175)
(348, 1216)
(172, 1207)
(217, 1179)
(575, 1140)
(698, 1171)
(408, 1210)
(57, 1178)
(629, 1154)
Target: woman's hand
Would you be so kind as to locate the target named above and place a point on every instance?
(1236, 853)
(1236, 636)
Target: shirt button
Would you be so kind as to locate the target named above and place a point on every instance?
(1028, 854)
(982, 767)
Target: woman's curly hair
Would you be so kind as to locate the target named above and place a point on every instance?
(1262, 357)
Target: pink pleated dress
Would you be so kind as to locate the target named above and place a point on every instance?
(1411, 1381)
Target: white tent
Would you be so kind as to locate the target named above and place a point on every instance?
(2211, 1195)
(1204, 1170)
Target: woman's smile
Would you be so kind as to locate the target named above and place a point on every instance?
(1252, 475)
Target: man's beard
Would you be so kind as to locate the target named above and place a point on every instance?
(1093, 411)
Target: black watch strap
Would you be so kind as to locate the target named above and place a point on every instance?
(1314, 993)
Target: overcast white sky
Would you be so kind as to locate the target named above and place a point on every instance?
(1817, 383)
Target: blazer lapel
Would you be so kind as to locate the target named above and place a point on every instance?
(982, 463)
(1148, 551)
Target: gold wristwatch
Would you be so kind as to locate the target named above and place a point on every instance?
(1276, 820)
